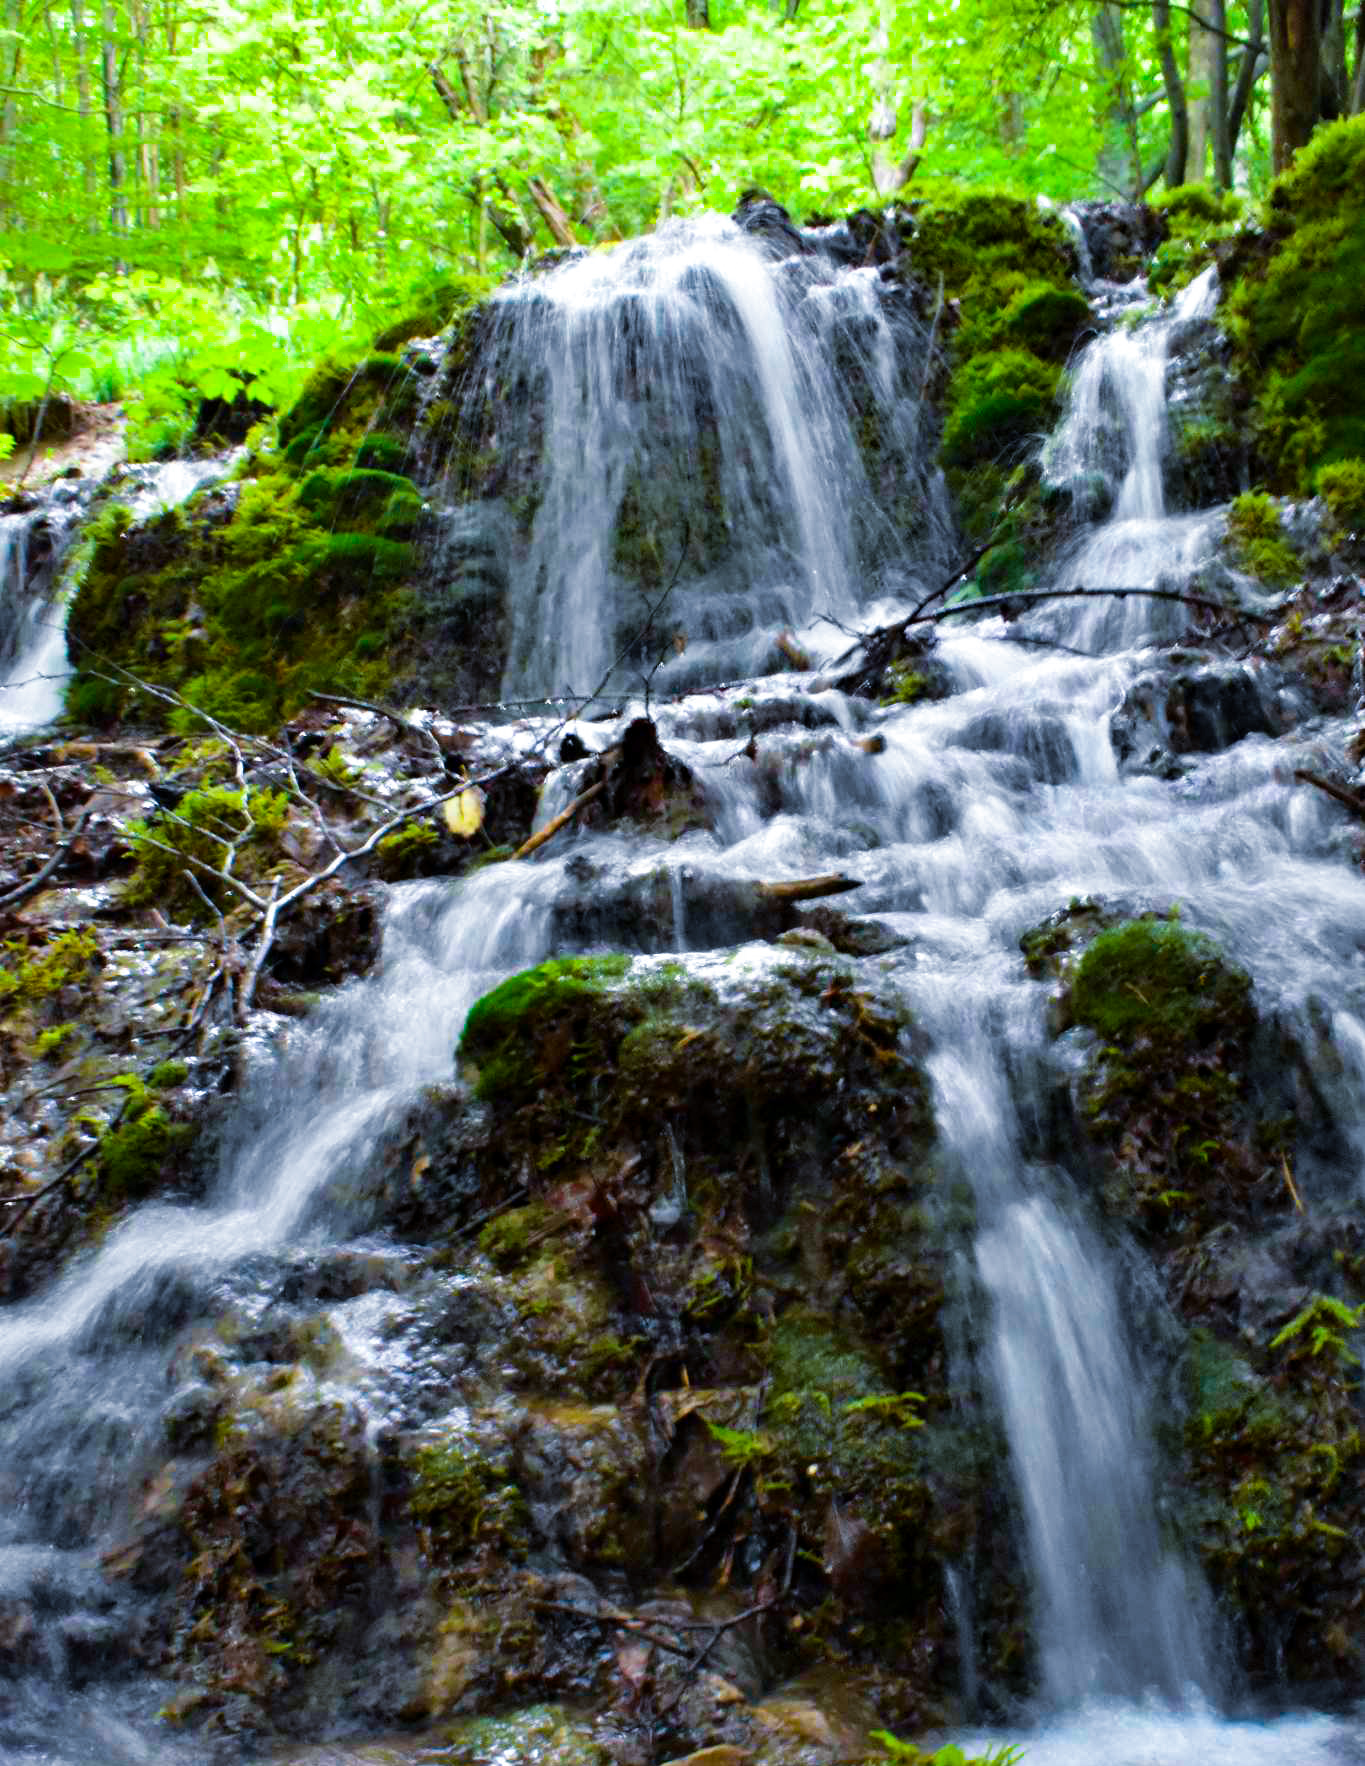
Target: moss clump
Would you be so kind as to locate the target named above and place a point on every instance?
(1297, 313)
(505, 1035)
(1156, 979)
(437, 306)
(1001, 402)
(138, 1155)
(1342, 487)
(1259, 543)
(247, 603)
(206, 825)
(28, 975)
(383, 453)
(1165, 1093)
(462, 1501)
(1197, 218)
(1010, 268)
(406, 851)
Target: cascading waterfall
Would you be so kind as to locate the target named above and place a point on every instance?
(966, 822)
(694, 402)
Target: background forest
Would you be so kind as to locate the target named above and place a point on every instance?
(195, 188)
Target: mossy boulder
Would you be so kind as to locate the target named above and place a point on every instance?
(1166, 1094)
(1195, 219)
(1009, 267)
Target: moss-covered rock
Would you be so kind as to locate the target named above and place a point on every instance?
(1196, 218)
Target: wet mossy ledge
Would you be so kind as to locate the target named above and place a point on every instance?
(1297, 311)
(1201, 1137)
(304, 573)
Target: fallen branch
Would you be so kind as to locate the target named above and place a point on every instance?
(565, 816)
(1352, 799)
(22, 891)
(808, 888)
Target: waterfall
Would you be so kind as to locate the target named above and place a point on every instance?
(684, 406)
(695, 403)
(34, 542)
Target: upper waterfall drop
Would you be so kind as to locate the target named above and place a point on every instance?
(699, 402)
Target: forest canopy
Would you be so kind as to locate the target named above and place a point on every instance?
(232, 185)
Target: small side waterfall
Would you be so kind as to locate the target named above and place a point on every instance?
(34, 544)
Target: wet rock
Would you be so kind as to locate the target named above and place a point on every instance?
(1040, 740)
(1119, 237)
(1200, 707)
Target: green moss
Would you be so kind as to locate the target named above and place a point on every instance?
(1197, 218)
(1342, 487)
(28, 976)
(441, 303)
(402, 853)
(383, 453)
(502, 1030)
(1158, 979)
(205, 825)
(462, 1501)
(1000, 402)
(1297, 312)
(509, 1239)
(1259, 542)
(136, 1154)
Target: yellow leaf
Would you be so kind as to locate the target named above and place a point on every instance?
(464, 814)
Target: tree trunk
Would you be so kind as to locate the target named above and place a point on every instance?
(551, 212)
(1116, 166)
(1295, 77)
(1358, 83)
(1253, 65)
(1335, 96)
(1218, 96)
(503, 214)
(699, 15)
(112, 76)
(1177, 154)
(78, 49)
(1200, 100)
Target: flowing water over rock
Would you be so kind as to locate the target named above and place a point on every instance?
(698, 399)
(34, 542)
(966, 822)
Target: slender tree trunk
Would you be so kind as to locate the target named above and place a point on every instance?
(1253, 65)
(1200, 101)
(1117, 164)
(1295, 77)
(699, 15)
(1358, 83)
(89, 179)
(1218, 73)
(503, 213)
(112, 77)
(1335, 85)
(1177, 154)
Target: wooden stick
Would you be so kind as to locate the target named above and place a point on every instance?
(1351, 799)
(562, 820)
(1289, 1182)
(808, 888)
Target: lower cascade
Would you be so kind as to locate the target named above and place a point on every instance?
(887, 1241)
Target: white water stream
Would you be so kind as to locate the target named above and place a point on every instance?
(979, 816)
